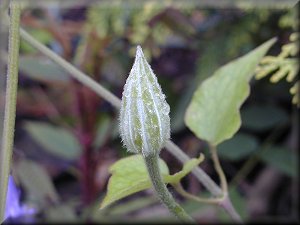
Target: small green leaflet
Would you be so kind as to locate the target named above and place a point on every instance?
(213, 114)
(129, 175)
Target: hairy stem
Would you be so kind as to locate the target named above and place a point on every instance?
(116, 102)
(10, 103)
(162, 191)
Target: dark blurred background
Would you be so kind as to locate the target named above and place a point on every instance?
(67, 137)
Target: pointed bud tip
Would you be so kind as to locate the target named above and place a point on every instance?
(139, 52)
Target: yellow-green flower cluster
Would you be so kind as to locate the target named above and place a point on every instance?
(284, 65)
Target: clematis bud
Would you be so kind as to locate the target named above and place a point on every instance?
(144, 116)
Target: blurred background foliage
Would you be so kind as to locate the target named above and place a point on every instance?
(67, 136)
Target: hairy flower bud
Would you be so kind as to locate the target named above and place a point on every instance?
(144, 116)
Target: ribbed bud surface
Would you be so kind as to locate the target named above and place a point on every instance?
(144, 116)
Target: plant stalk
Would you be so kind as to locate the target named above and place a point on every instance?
(219, 170)
(226, 204)
(10, 103)
(162, 191)
(178, 187)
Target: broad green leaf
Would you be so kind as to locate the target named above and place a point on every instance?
(36, 181)
(213, 114)
(281, 158)
(238, 147)
(129, 175)
(215, 51)
(56, 140)
(262, 117)
(42, 69)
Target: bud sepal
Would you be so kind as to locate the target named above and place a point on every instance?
(144, 116)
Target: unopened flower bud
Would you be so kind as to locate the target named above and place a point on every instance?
(144, 116)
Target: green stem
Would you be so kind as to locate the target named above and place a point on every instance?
(178, 187)
(219, 169)
(10, 102)
(226, 203)
(162, 191)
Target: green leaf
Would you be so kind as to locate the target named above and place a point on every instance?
(262, 117)
(36, 181)
(57, 141)
(130, 175)
(281, 158)
(213, 114)
(238, 147)
(42, 69)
